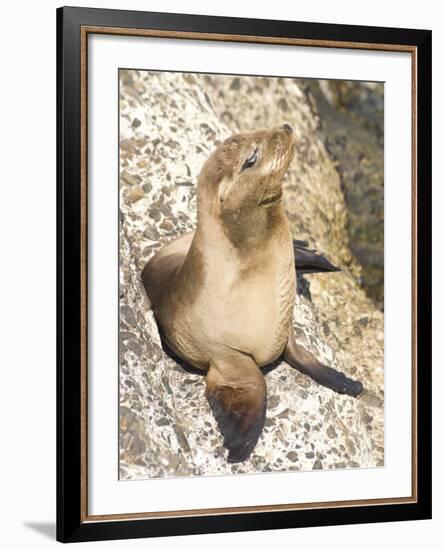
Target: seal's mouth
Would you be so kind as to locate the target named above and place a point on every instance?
(272, 199)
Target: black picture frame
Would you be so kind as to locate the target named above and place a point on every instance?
(72, 524)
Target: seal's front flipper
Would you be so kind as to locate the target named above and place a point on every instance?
(306, 363)
(236, 392)
(310, 261)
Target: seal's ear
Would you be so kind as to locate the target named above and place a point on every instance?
(236, 392)
(224, 187)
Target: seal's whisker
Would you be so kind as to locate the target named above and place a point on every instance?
(275, 164)
(263, 194)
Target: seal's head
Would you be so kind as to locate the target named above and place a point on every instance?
(241, 182)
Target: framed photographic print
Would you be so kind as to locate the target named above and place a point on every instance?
(244, 274)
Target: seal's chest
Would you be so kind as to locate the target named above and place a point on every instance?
(257, 309)
(283, 294)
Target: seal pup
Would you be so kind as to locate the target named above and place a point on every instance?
(223, 295)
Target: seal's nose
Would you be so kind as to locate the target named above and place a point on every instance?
(287, 127)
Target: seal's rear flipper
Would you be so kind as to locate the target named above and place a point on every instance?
(236, 392)
(310, 261)
(301, 359)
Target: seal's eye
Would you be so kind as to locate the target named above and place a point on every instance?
(250, 161)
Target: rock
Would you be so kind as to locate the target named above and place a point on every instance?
(131, 179)
(292, 456)
(151, 233)
(135, 194)
(166, 426)
(128, 316)
(330, 432)
(352, 119)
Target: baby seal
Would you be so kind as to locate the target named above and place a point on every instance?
(223, 295)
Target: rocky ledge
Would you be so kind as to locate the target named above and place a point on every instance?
(169, 124)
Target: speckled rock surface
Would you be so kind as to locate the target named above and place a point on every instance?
(169, 124)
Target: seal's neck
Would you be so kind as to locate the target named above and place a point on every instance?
(244, 231)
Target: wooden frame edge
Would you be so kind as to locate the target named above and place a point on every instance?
(414, 246)
(84, 273)
(201, 512)
(282, 41)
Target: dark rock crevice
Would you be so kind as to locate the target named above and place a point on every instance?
(352, 128)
